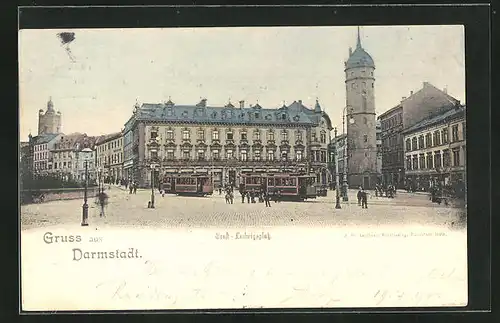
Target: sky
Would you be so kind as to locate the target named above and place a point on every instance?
(95, 80)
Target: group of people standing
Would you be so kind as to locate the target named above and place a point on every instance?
(362, 198)
(388, 190)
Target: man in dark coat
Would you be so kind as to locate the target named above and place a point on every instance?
(364, 199)
(360, 195)
(266, 199)
(103, 201)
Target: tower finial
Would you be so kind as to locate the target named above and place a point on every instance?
(358, 44)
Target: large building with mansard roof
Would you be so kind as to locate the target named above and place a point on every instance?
(225, 141)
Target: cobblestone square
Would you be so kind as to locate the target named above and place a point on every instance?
(125, 210)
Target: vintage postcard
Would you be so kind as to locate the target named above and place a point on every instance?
(249, 167)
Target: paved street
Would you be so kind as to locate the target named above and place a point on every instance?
(177, 211)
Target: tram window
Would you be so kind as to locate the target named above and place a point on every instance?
(293, 182)
(270, 182)
(279, 182)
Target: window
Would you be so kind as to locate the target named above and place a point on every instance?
(256, 115)
(437, 159)
(299, 135)
(454, 133)
(229, 136)
(256, 155)
(270, 155)
(463, 130)
(201, 154)
(313, 137)
(270, 136)
(421, 161)
(456, 156)
(243, 136)
(283, 116)
(201, 134)
(437, 138)
(186, 154)
(429, 161)
(64, 164)
(408, 144)
(154, 134)
(215, 135)
(415, 162)
(365, 138)
(185, 134)
(256, 135)
(229, 154)
(322, 138)
(299, 155)
(170, 155)
(284, 155)
(444, 135)
(414, 143)
(243, 155)
(284, 135)
(421, 142)
(154, 155)
(408, 162)
(428, 140)
(215, 155)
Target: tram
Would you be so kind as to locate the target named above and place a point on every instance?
(192, 184)
(252, 183)
(292, 186)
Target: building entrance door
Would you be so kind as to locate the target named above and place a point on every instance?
(366, 182)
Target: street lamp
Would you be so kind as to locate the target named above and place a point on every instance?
(345, 185)
(153, 166)
(337, 198)
(85, 207)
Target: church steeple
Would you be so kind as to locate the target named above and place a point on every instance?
(358, 44)
(50, 105)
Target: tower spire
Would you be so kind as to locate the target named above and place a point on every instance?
(358, 44)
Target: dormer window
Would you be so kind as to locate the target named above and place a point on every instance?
(229, 136)
(170, 134)
(185, 134)
(243, 136)
(283, 116)
(257, 115)
(170, 112)
(284, 135)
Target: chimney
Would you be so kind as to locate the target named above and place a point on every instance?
(411, 93)
(300, 102)
(242, 104)
(445, 90)
(403, 98)
(426, 84)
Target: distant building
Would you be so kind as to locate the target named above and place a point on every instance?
(49, 122)
(337, 150)
(435, 150)
(69, 159)
(420, 105)
(42, 156)
(379, 151)
(226, 141)
(109, 156)
(361, 135)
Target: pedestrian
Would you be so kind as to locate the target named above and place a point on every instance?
(103, 201)
(360, 195)
(364, 199)
(220, 191)
(252, 196)
(131, 188)
(231, 196)
(242, 196)
(266, 198)
(248, 197)
(135, 187)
